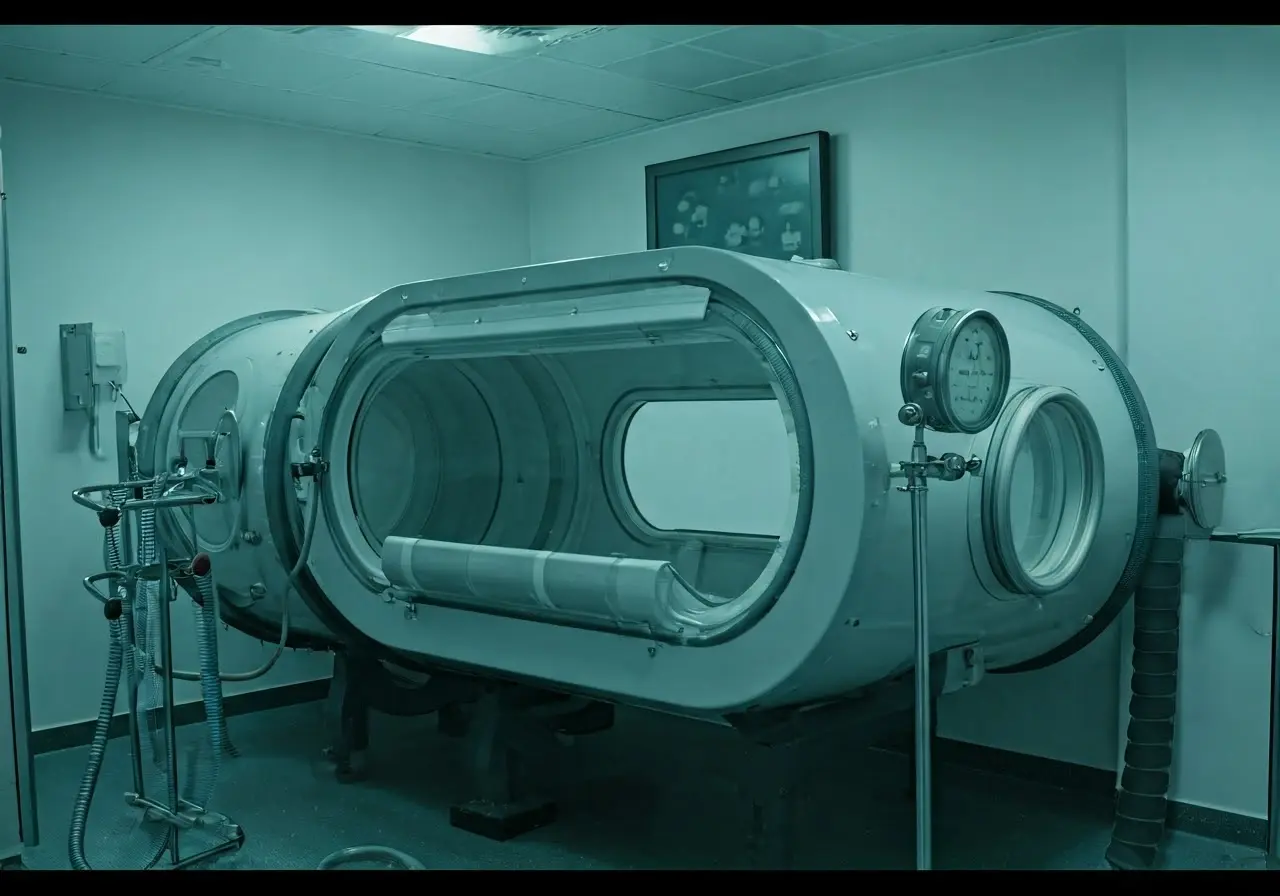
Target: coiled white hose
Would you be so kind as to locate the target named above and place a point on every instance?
(308, 535)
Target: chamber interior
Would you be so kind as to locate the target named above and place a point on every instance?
(648, 487)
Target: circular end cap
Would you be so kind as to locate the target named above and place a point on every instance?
(1204, 479)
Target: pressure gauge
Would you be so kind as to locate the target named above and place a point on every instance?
(955, 366)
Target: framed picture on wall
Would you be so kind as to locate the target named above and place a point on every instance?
(768, 199)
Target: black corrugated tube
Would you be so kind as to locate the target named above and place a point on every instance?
(1142, 805)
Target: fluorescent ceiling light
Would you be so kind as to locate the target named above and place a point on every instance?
(490, 40)
(456, 37)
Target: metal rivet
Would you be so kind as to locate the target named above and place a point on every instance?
(1075, 311)
(664, 265)
(852, 334)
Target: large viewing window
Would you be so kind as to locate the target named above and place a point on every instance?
(719, 466)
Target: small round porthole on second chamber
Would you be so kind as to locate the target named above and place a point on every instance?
(1042, 496)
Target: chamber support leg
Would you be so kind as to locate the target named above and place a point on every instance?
(349, 705)
(504, 808)
(773, 784)
(453, 720)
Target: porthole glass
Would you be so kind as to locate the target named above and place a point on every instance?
(1043, 496)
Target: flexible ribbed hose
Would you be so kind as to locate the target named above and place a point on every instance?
(1142, 805)
(119, 663)
(370, 853)
(207, 619)
(210, 692)
(97, 751)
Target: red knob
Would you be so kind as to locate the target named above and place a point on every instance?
(201, 564)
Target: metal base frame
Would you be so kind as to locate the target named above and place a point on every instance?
(171, 491)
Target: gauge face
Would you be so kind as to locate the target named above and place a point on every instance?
(973, 372)
(955, 368)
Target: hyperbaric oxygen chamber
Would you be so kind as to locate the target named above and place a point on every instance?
(458, 447)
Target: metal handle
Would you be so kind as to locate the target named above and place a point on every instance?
(81, 497)
(91, 582)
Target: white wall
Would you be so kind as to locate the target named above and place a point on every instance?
(1001, 171)
(1204, 293)
(167, 224)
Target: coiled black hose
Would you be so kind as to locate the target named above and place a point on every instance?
(1142, 805)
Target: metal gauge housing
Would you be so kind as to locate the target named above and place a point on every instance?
(955, 366)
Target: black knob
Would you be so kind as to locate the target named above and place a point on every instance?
(108, 517)
(113, 609)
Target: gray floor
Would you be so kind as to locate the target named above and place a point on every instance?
(652, 793)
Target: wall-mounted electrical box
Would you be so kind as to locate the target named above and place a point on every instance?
(77, 366)
(89, 359)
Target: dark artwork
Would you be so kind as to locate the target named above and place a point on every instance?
(764, 203)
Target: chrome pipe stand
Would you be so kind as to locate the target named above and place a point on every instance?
(177, 491)
(917, 472)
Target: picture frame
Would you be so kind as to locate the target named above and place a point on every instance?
(771, 199)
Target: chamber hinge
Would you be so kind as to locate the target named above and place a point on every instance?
(310, 469)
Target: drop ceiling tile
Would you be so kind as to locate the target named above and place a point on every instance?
(865, 34)
(517, 112)
(395, 88)
(337, 115)
(916, 45)
(54, 69)
(460, 94)
(946, 38)
(230, 97)
(674, 34)
(595, 125)
(771, 44)
(150, 84)
(113, 43)
(683, 66)
(449, 134)
(923, 43)
(604, 48)
(843, 64)
(262, 58)
(598, 89)
(396, 52)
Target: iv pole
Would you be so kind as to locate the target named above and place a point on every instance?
(918, 471)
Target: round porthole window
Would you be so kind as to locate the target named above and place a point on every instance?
(1043, 496)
